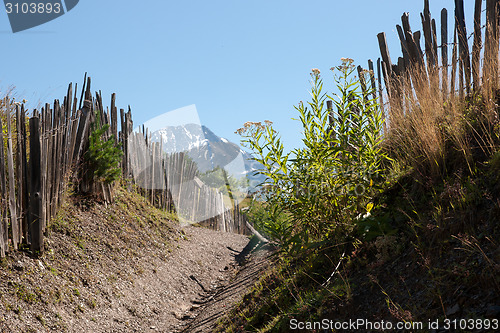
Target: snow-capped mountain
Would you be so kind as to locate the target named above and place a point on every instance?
(183, 138)
(208, 150)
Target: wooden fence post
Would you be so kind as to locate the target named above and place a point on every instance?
(12, 184)
(454, 63)
(434, 42)
(462, 42)
(22, 176)
(429, 29)
(476, 46)
(114, 118)
(413, 49)
(444, 52)
(380, 94)
(372, 80)
(86, 180)
(426, 25)
(404, 45)
(490, 68)
(35, 207)
(4, 245)
(416, 38)
(83, 90)
(384, 51)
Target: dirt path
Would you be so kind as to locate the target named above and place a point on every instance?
(170, 294)
(125, 268)
(252, 261)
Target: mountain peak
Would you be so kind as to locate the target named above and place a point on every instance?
(208, 150)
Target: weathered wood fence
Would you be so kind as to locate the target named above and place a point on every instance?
(41, 155)
(35, 166)
(171, 182)
(427, 71)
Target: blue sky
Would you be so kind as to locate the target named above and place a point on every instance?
(236, 60)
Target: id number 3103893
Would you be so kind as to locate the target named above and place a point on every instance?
(33, 8)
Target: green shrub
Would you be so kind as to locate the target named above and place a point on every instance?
(325, 185)
(272, 222)
(225, 183)
(103, 155)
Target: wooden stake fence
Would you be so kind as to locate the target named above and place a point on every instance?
(36, 167)
(421, 73)
(171, 182)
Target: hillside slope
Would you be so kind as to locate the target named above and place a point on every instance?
(122, 267)
(430, 252)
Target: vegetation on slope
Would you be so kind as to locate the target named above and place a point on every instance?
(316, 189)
(103, 155)
(422, 244)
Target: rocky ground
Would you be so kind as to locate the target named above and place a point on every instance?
(125, 267)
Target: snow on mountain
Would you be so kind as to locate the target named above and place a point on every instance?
(208, 150)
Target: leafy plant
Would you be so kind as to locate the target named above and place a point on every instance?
(103, 155)
(270, 221)
(220, 179)
(325, 185)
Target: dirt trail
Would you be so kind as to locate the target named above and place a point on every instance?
(252, 261)
(205, 273)
(169, 294)
(125, 268)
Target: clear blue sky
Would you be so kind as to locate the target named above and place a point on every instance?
(237, 60)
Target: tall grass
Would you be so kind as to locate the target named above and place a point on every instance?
(436, 133)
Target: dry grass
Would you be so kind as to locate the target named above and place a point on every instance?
(436, 133)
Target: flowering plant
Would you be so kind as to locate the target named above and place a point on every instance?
(322, 187)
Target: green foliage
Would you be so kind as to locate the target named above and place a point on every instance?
(271, 222)
(12, 104)
(219, 178)
(103, 156)
(325, 185)
(373, 226)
